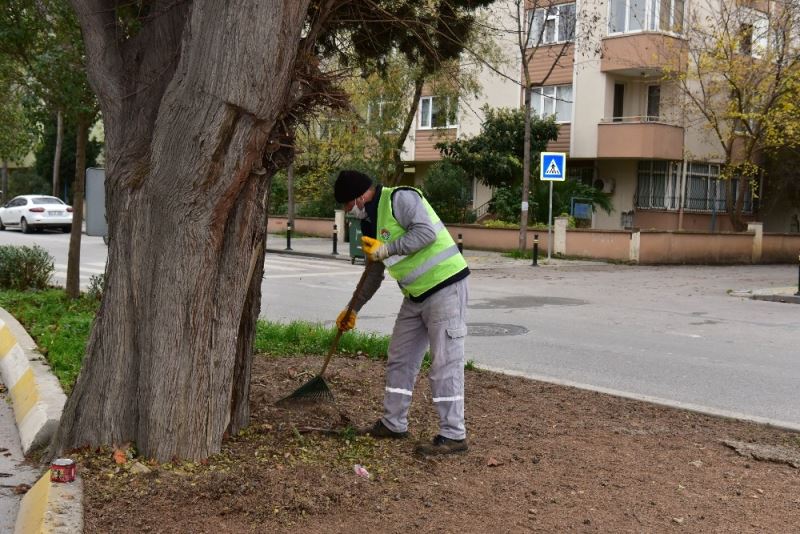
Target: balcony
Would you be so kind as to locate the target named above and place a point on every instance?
(644, 53)
(639, 138)
(425, 143)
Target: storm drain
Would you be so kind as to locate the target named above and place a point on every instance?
(495, 329)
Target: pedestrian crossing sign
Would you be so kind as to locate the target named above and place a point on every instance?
(552, 166)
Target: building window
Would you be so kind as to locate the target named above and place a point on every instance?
(438, 112)
(754, 37)
(382, 115)
(552, 100)
(658, 187)
(555, 24)
(653, 102)
(706, 191)
(703, 187)
(652, 15)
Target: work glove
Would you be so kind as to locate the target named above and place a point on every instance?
(346, 320)
(374, 249)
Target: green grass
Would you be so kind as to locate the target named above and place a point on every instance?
(300, 337)
(59, 326)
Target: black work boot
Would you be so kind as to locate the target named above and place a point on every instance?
(441, 445)
(379, 431)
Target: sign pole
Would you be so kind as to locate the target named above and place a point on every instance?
(550, 223)
(552, 167)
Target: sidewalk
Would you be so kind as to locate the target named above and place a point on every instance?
(772, 294)
(322, 247)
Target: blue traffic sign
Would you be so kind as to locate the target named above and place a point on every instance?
(553, 166)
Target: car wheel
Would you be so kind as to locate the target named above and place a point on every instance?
(23, 224)
(2, 226)
(66, 229)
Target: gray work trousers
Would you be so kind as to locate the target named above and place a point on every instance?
(439, 322)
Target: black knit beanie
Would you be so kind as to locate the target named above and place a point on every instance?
(350, 185)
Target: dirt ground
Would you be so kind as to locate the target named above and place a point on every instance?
(542, 458)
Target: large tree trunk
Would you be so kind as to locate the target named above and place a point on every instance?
(74, 255)
(191, 152)
(397, 153)
(4, 181)
(57, 155)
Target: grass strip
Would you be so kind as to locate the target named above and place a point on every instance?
(300, 337)
(61, 326)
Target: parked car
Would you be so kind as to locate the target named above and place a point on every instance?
(33, 212)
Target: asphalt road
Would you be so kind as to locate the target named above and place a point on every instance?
(666, 334)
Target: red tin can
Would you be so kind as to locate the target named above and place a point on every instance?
(63, 470)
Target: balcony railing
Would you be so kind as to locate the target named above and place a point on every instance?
(651, 52)
(639, 137)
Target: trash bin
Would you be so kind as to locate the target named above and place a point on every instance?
(354, 233)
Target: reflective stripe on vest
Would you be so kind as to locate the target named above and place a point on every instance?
(426, 268)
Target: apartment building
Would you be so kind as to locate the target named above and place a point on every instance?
(600, 67)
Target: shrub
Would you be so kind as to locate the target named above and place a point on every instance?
(23, 268)
(497, 223)
(97, 284)
(449, 191)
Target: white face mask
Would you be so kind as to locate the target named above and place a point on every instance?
(358, 213)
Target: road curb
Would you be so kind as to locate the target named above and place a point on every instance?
(51, 507)
(36, 395)
(37, 400)
(340, 257)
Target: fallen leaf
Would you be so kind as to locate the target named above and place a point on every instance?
(120, 457)
(21, 489)
(493, 462)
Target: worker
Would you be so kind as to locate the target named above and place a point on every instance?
(403, 235)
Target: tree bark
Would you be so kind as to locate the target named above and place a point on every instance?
(57, 155)
(397, 154)
(526, 173)
(191, 153)
(74, 255)
(4, 181)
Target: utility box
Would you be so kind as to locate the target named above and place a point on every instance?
(96, 223)
(354, 233)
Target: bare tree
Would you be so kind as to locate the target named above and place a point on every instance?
(742, 83)
(546, 37)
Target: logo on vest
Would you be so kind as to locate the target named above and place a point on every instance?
(385, 234)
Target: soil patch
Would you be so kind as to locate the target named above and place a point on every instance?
(542, 458)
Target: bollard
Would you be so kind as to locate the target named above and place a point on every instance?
(288, 236)
(335, 239)
(460, 244)
(798, 276)
(535, 254)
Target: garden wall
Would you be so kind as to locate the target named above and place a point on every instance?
(695, 247)
(645, 246)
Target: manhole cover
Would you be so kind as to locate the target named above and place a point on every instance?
(495, 329)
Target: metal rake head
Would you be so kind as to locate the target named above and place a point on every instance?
(314, 391)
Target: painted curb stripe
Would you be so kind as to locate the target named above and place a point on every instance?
(7, 340)
(24, 395)
(13, 366)
(32, 508)
(35, 395)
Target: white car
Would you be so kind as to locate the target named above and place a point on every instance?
(31, 212)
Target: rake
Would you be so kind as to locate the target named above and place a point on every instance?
(316, 389)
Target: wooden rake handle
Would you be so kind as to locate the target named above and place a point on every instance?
(339, 332)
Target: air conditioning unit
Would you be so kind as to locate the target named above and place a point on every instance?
(606, 185)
